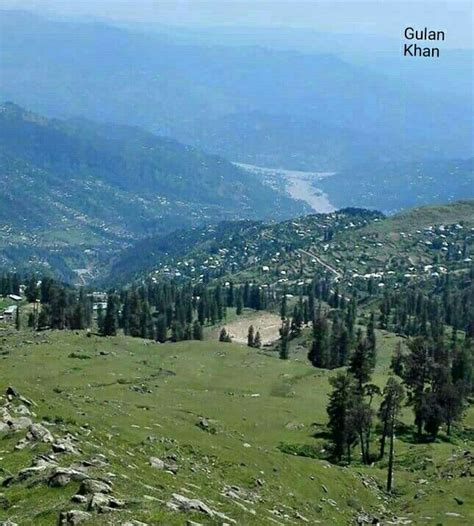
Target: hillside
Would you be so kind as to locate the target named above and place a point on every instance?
(145, 422)
(200, 92)
(90, 189)
(142, 415)
(343, 243)
(397, 185)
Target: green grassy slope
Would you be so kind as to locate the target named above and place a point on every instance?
(130, 399)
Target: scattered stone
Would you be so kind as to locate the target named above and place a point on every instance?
(81, 499)
(64, 445)
(203, 424)
(157, 463)
(8, 523)
(90, 486)
(73, 517)
(17, 424)
(63, 476)
(38, 433)
(459, 500)
(104, 503)
(181, 503)
(294, 426)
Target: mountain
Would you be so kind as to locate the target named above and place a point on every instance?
(73, 188)
(348, 241)
(393, 186)
(201, 92)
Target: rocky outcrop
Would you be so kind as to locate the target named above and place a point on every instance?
(181, 503)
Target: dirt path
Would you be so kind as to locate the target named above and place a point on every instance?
(321, 262)
(266, 323)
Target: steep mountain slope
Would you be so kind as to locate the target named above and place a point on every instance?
(191, 92)
(391, 186)
(79, 187)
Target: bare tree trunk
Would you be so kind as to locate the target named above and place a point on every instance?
(383, 439)
(390, 456)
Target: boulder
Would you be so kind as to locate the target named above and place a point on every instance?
(64, 445)
(22, 422)
(38, 433)
(104, 503)
(4, 428)
(181, 503)
(60, 477)
(73, 517)
(90, 486)
(157, 463)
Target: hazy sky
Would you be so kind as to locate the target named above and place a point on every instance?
(383, 17)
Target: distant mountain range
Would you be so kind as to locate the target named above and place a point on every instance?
(393, 186)
(301, 107)
(73, 192)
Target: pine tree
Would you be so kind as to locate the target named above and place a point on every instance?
(319, 352)
(239, 302)
(284, 340)
(111, 316)
(250, 337)
(393, 395)
(161, 329)
(361, 364)
(340, 421)
(283, 308)
(197, 331)
(258, 340)
(18, 318)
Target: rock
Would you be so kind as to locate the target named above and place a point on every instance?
(30, 472)
(81, 499)
(157, 463)
(90, 486)
(294, 426)
(181, 503)
(134, 522)
(22, 422)
(73, 517)
(11, 393)
(4, 427)
(22, 410)
(104, 503)
(64, 446)
(203, 423)
(459, 500)
(38, 433)
(62, 476)
(8, 523)
(98, 501)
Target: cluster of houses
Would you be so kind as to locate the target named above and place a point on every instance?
(9, 312)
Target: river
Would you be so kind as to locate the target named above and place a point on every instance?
(297, 184)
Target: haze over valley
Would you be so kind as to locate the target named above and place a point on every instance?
(236, 263)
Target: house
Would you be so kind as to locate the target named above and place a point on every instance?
(9, 312)
(14, 297)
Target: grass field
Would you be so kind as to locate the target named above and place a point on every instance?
(226, 418)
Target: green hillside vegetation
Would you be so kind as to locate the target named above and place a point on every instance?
(244, 443)
(348, 244)
(349, 399)
(75, 192)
